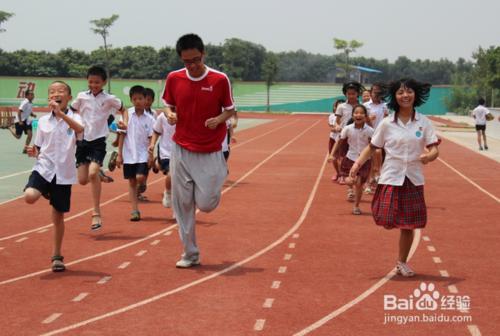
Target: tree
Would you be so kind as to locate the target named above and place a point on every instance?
(102, 28)
(269, 72)
(4, 16)
(486, 73)
(347, 47)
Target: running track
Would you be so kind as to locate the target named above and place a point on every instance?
(282, 255)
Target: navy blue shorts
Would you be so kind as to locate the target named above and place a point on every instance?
(131, 170)
(480, 127)
(90, 151)
(165, 166)
(24, 128)
(59, 195)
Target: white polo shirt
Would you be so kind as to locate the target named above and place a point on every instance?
(57, 143)
(167, 131)
(136, 142)
(344, 111)
(480, 113)
(377, 110)
(357, 138)
(403, 145)
(331, 121)
(95, 111)
(27, 108)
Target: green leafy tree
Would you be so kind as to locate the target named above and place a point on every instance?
(486, 75)
(101, 27)
(242, 60)
(347, 47)
(269, 72)
(4, 16)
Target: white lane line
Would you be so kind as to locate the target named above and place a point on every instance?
(444, 273)
(141, 253)
(263, 251)
(437, 260)
(155, 242)
(268, 303)
(287, 256)
(15, 174)
(124, 265)
(1, 248)
(43, 230)
(80, 297)
(276, 284)
(431, 248)
(282, 269)
(426, 238)
(168, 233)
(362, 296)
(474, 330)
(259, 325)
(469, 180)
(291, 245)
(22, 239)
(51, 318)
(104, 280)
(296, 235)
(453, 289)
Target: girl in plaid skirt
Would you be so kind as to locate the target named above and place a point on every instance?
(409, 141)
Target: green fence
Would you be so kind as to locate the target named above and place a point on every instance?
(284, 97)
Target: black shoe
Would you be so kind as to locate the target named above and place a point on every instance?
(485, 147)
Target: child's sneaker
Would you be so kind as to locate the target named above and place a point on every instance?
(356, 211)
(480, 147)
(485, 147)
(135, 216)
(57, 264)
(166, 200)
(403, 269)
(368, 190)
(186, 263)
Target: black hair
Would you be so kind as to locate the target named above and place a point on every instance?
(96, 70)
(353, 85)
(383, 89)
(361, 106)
(422, 91)
(137, 89)
(27, 92)
(189, 41)
(148, 92)
(63, 83)
(481, 101)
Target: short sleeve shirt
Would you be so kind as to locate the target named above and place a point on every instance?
(357, 138)
(196, 100)
(136, 142)
(331, 121)
(377, 110)
(26, 108)
(344, 111)
(167, 131)
(403, 145)
(480, 113)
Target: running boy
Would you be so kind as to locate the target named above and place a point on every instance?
(22, 121)
(54, 171)
(95, 107)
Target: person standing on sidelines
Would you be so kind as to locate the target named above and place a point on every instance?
(410, 141)
(202, 100)
(479, 114)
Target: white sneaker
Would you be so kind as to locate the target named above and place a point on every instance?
(403, 269)
(186, 263)
(166, 200)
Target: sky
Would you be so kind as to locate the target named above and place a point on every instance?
(419, 29)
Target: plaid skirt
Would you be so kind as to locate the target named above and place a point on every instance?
(401, 207)
(363, 173)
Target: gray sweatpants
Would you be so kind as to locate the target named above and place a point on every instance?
(197, 180)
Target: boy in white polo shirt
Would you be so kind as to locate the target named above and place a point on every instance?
(479, 115)
(22, 121)
(54, 171)
(133, 147)
(95, 106)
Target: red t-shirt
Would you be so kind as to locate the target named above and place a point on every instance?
(196, 100)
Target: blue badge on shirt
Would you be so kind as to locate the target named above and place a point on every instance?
(70, 131)
(418, 134)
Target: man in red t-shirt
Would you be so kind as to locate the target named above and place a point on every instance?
(199, 101)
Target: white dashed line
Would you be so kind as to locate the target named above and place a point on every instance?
(276, 284)
(168, 233)
(141, 253)
(259, 325)
(453, 289)
(80, 297)
(21, 239)
(296, 235)
(1, 248)
(104, 280)
(268, 303)
(291, 245)
(287, 256)
(43, 230)
(155, 242)
(124, 265)
(51, 318)
(437, 260)
(282, 269)
(426, 238)
(474, 330)
(431, 248)
(444, 274)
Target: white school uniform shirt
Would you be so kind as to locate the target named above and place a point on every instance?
(27, 108)
(480, 113)
(57, 143)
(344, 111)
(95, 111)
(136, 142)
(403, 145)
(377, 110)
(167, 131)
(331, 121)
(357, 138)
